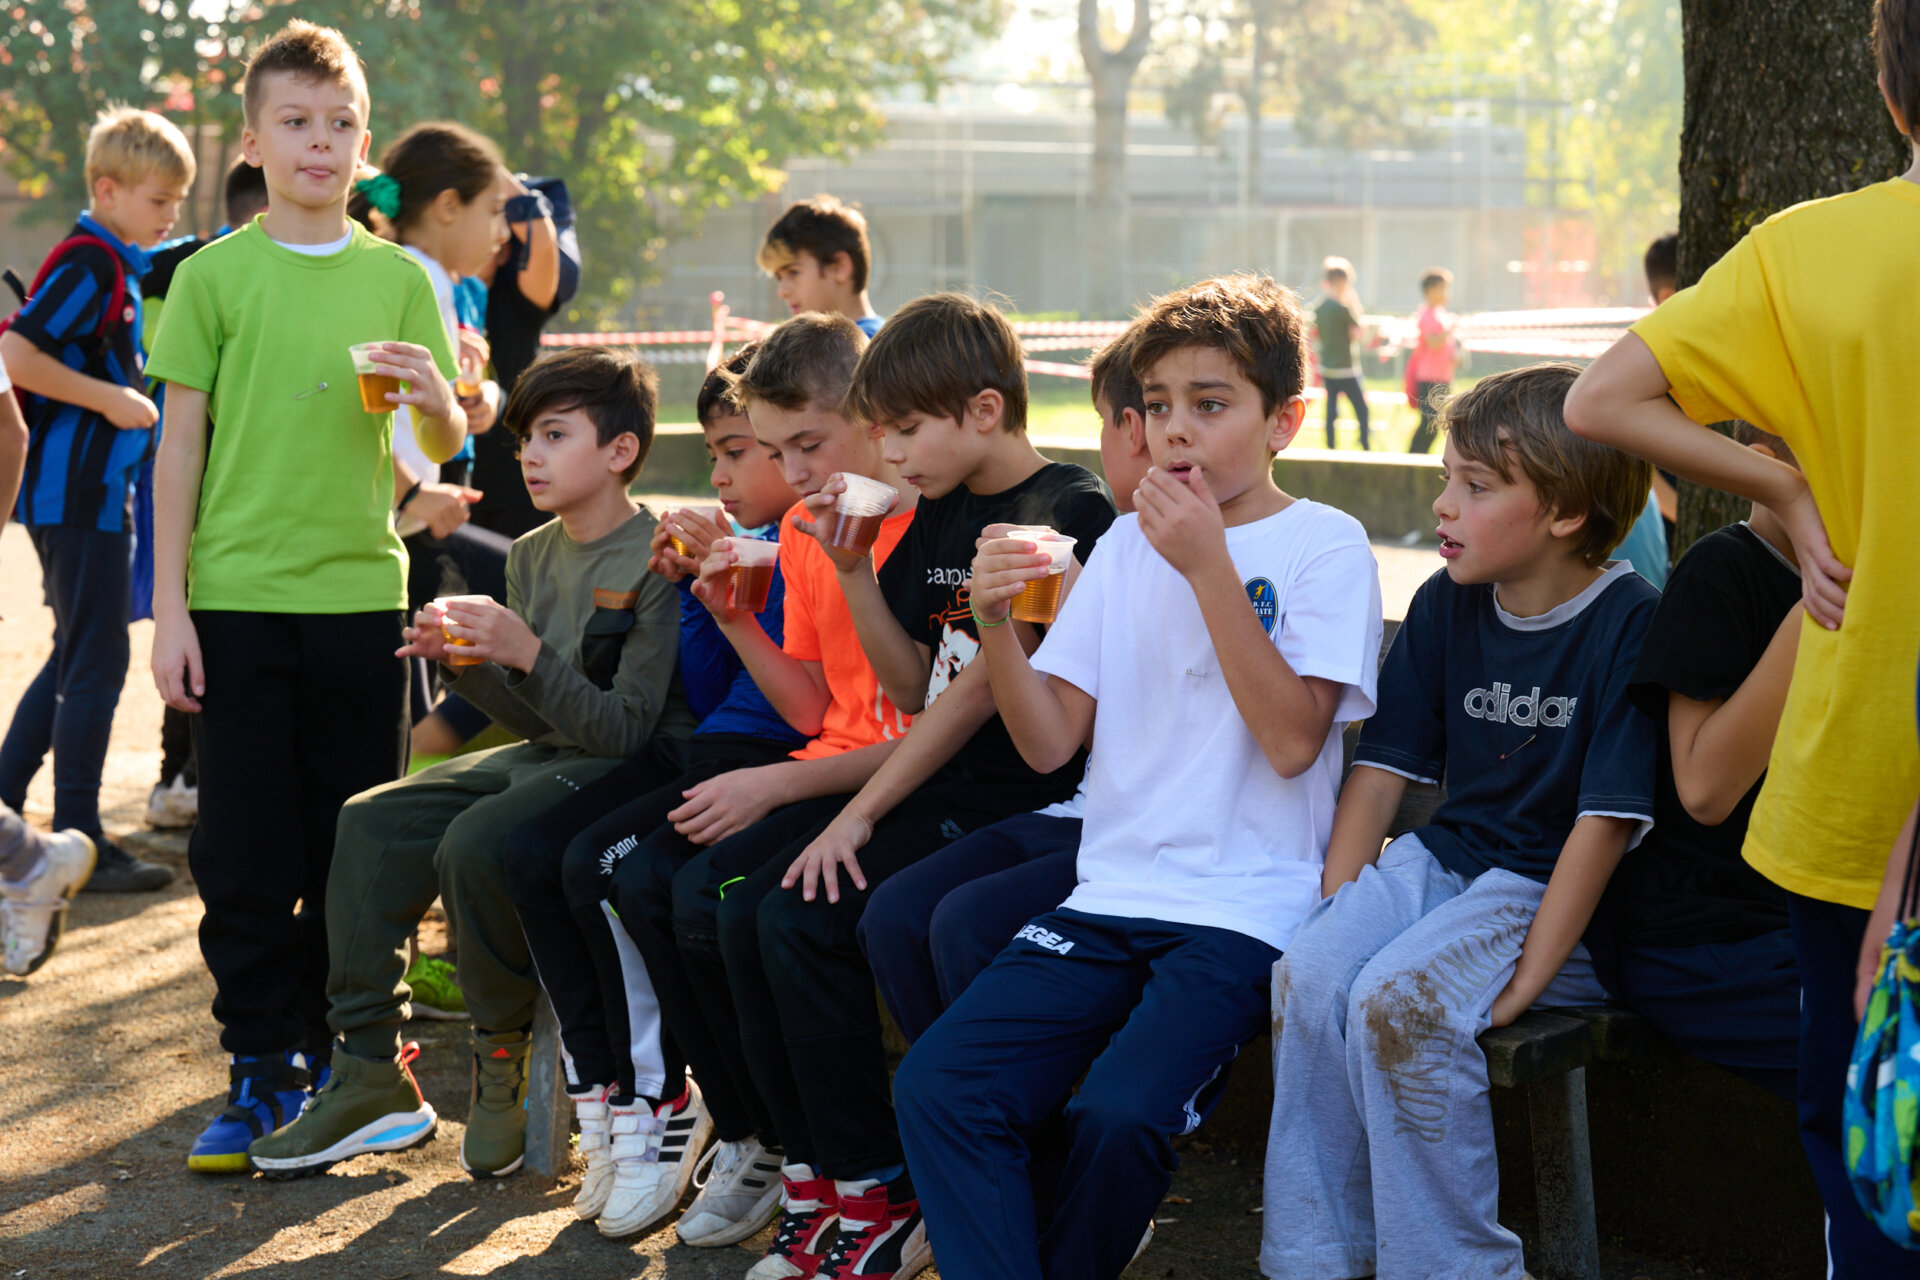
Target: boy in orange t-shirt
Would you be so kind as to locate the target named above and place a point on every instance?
(820, 682)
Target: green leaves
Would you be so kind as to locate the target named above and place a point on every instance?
(653, 112)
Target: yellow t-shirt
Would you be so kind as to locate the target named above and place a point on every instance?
(1806, 329)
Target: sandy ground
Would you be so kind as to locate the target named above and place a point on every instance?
(111, 1067)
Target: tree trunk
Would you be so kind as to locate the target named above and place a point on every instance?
(521, 69)
(1111, 73)
(1781, 108)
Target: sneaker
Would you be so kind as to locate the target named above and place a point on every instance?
(809, 1212)
(881, 1234)
(365, 1105)
(496, 1140)
(596, 1144)
(33, 914)
(120, 872)
(173, 806)
(654, 1152)
(264, 1093)
(436, 992)
(739, 1194)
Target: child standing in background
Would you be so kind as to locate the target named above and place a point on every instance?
(1430, 364)
(1337, 319)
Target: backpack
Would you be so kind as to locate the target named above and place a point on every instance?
(110, 315)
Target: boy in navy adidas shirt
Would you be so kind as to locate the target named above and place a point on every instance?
(1210, 646)
(1509, 680)
(75, 349)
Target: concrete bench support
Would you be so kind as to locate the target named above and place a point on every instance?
(549, 1112)
(1563, 1177)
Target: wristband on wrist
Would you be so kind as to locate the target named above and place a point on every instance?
(412, 493)
(979, 621)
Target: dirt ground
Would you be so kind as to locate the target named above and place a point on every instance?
(111, 1067)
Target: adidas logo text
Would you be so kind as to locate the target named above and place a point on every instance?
(1528, 710)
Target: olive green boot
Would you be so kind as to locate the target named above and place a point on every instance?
(496, 1139)
(366, 1105)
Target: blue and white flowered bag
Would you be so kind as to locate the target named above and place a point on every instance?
(1883, 1081)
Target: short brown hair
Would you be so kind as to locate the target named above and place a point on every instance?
(933, 356)
(130, 145)
(1896, 47)
(426, 160)
(716, 399)
(823, 227)
(1746, 433)
(1519, 416)
(306, 52)
(1115, 385)
(617, 390)
(808, 361)
(1433, 276)
(1256, 323)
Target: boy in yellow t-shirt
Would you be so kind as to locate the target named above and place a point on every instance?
(279, 582)
(1804, 329)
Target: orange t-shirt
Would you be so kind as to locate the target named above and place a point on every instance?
(819, 629)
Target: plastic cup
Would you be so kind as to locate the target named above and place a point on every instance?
(374, 385)
(453, 642)
(751, 579)
(1039, 600)
(854, 523)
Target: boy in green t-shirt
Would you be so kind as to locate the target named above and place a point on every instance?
(279, 583)
(1805, 330)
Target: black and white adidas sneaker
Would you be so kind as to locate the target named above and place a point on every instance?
(655, 1150)
(739, 1194)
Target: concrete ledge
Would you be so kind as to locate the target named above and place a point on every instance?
(1390, 493)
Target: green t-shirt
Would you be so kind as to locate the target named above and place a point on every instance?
(1336, 322)
(297, 499)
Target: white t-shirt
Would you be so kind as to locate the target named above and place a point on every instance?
(1185, 820)
(6, 383)
(405, 447)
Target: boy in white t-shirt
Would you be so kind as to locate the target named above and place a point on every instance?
(1210, 648)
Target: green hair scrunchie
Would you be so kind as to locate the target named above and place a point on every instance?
(382, 192)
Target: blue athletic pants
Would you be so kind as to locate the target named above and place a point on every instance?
(933, 927)
(1826, 940)
(1149, 1012)
(1734, 1004)
(69, 707)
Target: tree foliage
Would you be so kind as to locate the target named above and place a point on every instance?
(654, 112)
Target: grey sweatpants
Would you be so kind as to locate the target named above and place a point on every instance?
(19, 846)
(1380, 1157)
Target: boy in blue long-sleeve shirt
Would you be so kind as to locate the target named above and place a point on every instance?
(75, 349)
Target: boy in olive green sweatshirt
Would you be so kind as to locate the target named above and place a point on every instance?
(579, 662)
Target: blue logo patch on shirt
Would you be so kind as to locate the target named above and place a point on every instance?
(1265, 601)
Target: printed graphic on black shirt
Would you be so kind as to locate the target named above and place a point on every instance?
(928, 581)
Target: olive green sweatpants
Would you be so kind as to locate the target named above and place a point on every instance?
(439, 832)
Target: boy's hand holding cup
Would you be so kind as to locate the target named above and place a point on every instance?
(684, 539)
(1021, 567)
(484, 630)
(425, 639)
(383, 368)
(736, 577)
(846, 515)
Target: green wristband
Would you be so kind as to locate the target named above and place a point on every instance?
(982, 623)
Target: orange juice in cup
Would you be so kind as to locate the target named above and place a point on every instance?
(440, 604)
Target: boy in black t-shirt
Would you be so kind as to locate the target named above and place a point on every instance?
(1703, 949)
(1509, 679)
(946, 380)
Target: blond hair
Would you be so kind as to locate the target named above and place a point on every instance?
(130, 145)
